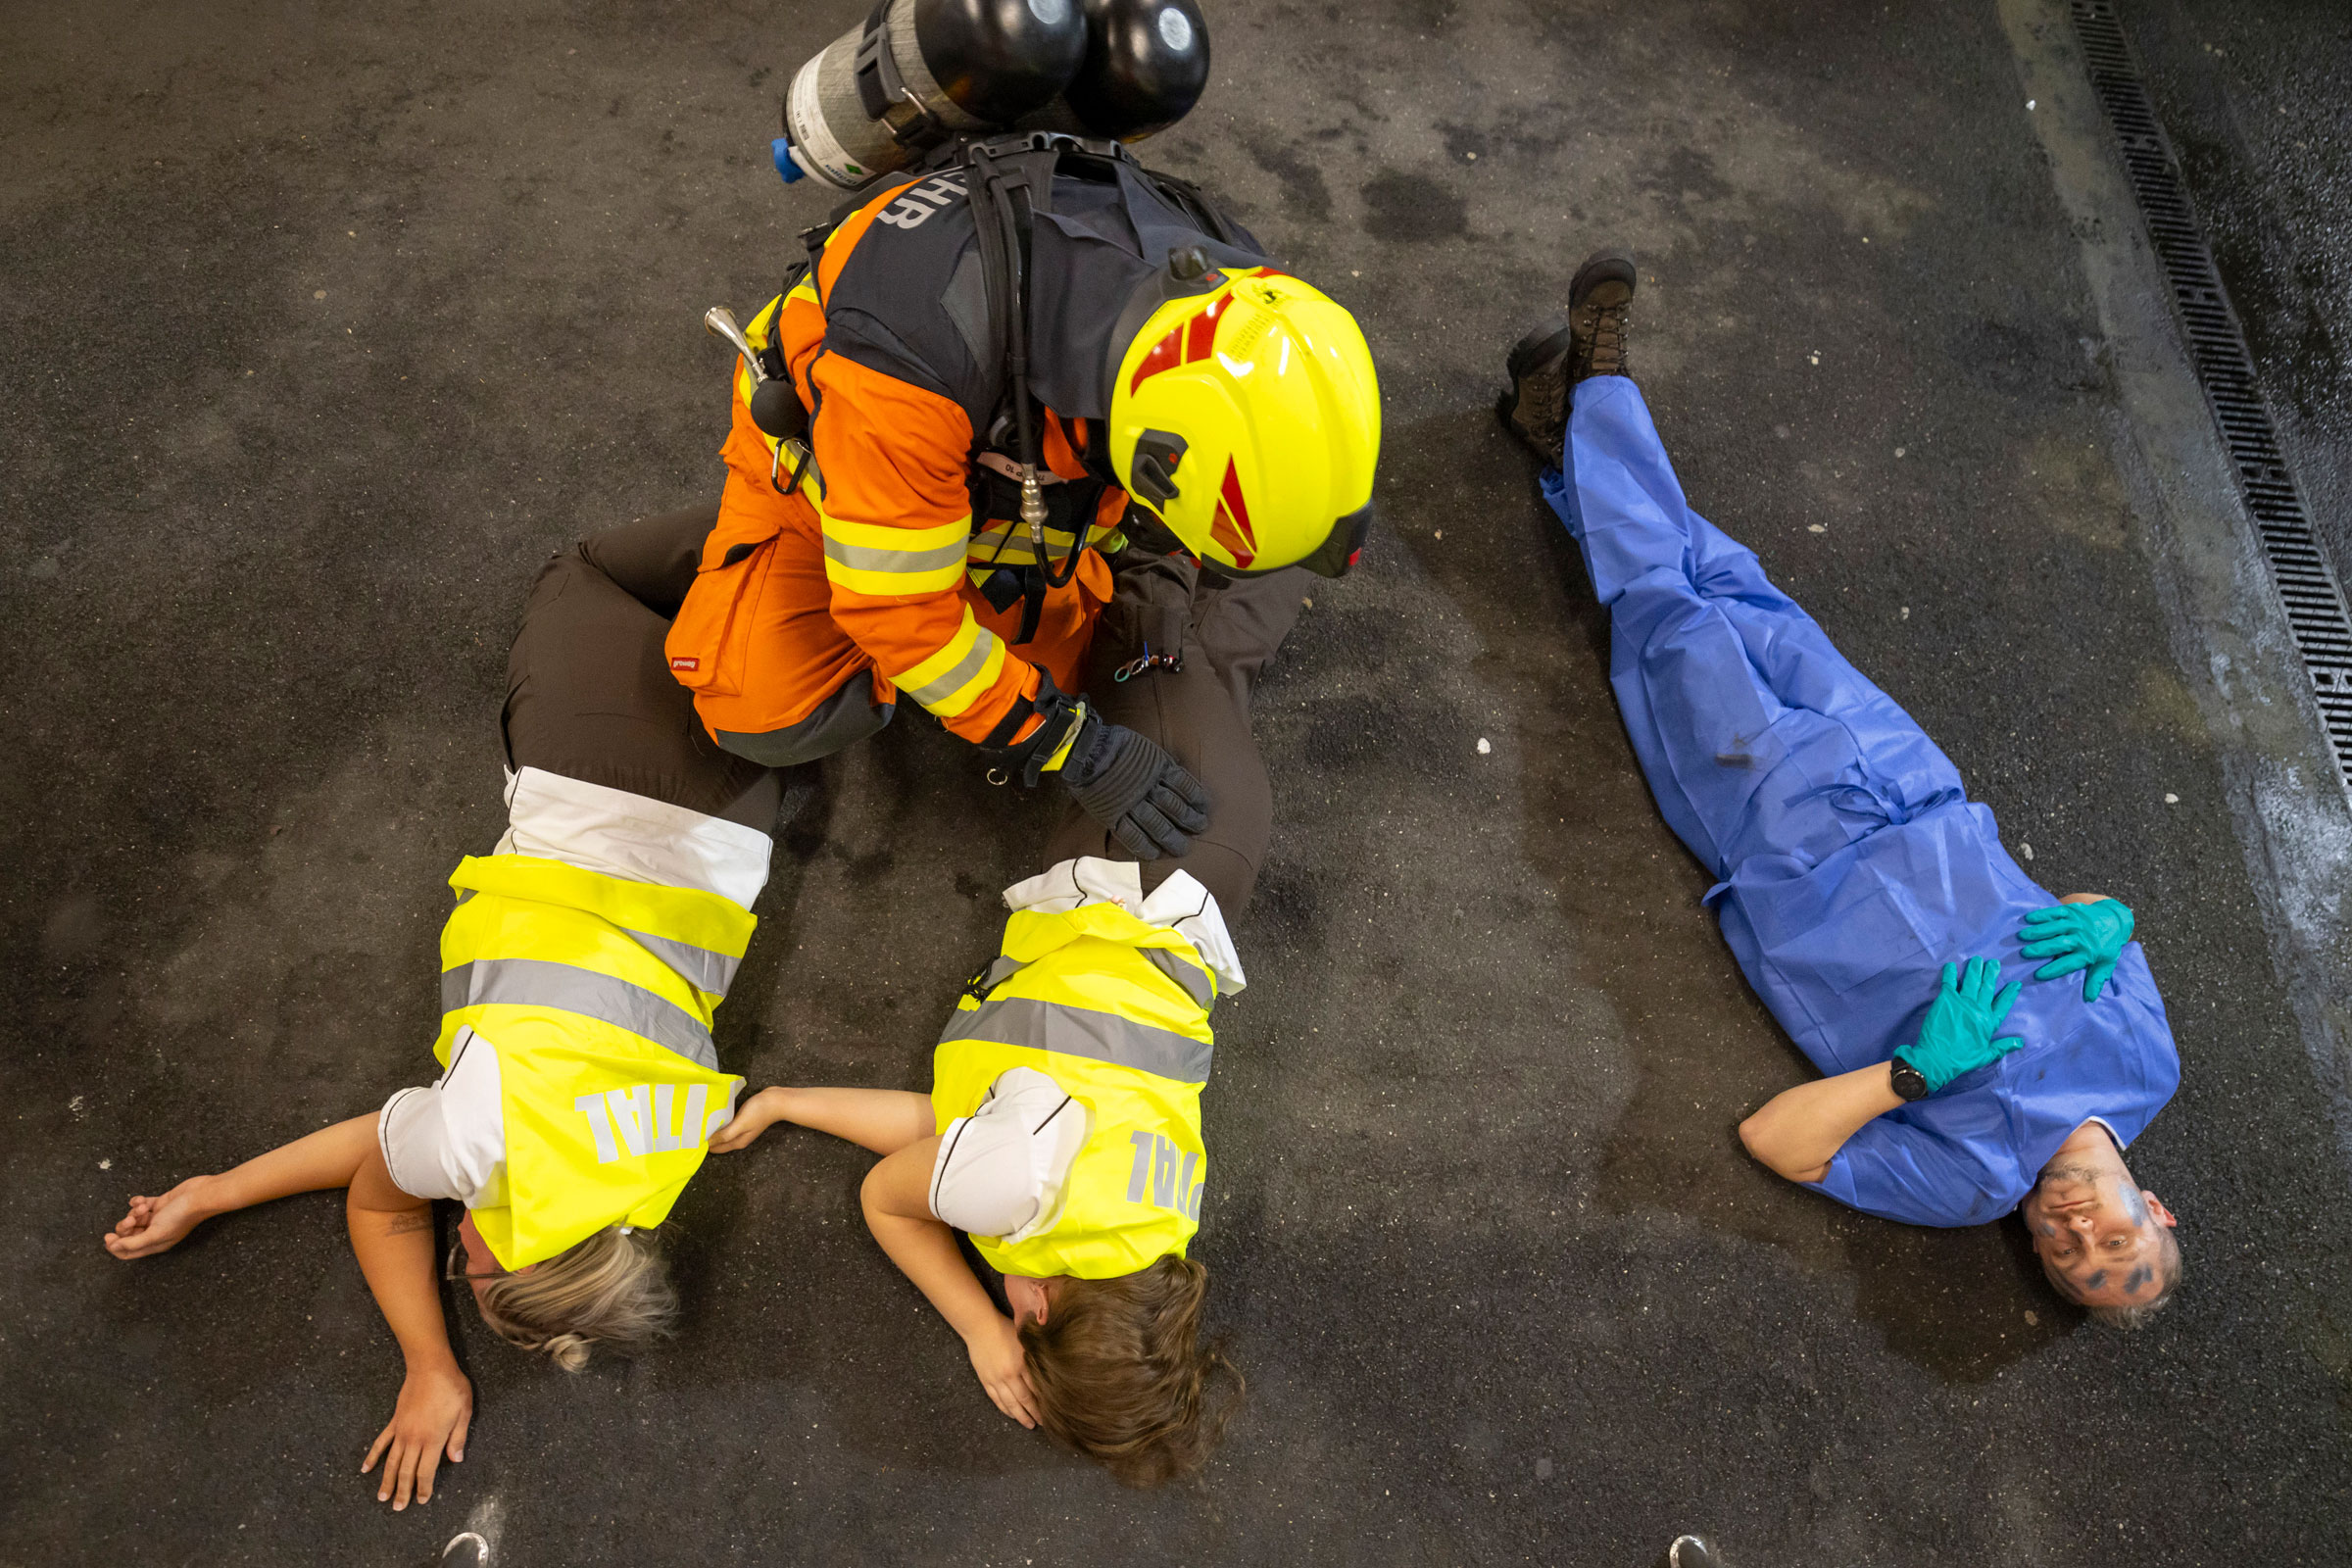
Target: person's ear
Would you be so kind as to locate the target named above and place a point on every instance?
(2163, 1215)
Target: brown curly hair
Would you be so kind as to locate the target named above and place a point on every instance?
(1121, 1376)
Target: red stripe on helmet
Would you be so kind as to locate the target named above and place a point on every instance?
(1232, 529)
(1166, 355)
(1201, 333)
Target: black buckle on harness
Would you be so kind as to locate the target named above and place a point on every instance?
(884, 94)
(1001, 588)
(989, 975)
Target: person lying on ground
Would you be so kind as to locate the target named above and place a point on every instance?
(580, 971)
(1063, 1129)
(1868, 899)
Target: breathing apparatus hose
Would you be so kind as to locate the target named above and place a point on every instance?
(1006, 235)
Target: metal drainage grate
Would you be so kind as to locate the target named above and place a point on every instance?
(2217, 348)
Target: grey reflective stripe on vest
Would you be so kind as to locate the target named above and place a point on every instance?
(537, 983)
(699, 967)
(1195, 979)
(1082, 1032)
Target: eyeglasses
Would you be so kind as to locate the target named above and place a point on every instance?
(454, 1268)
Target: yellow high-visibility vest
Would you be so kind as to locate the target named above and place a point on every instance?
(1116, 1012)
(597, 995)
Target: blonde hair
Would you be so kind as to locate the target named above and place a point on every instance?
(1121, 1376)
(612, 1288)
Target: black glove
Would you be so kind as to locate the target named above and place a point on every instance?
(1127, 783)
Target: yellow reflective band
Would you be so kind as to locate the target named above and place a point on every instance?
(1061, 752)
(1004, 542)
(885, 561)
(756, 334)
(760, 336)
(954, 678)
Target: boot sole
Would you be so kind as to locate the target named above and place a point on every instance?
(1548, 345)
(1608, 277)
(1547, 342)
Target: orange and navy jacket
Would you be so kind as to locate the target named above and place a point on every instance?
(888, 342)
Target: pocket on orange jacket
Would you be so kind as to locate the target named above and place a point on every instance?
(710, 643)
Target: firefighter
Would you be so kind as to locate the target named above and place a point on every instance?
(992, 376)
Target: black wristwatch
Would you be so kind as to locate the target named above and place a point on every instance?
(1908, 1081)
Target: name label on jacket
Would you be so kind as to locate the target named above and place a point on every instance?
(637, 1120)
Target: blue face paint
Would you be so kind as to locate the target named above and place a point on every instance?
(2095, 1281)
(2135, 1207)
(2138, 1280)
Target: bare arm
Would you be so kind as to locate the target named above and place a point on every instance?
(392, 1236)
(1801, 1130)
(897, 1196)
(327, 1157)
(882, 1121)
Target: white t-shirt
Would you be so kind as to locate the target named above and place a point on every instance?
(449, 1140)
(1001, 1170)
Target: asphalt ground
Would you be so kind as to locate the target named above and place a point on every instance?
(2257, 99)
(323, 327)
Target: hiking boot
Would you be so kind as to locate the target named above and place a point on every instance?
(1599, 299)
(1535, 407)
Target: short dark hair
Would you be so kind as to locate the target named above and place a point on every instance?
(1121, 1376)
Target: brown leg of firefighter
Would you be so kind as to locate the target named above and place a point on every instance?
(589, 693)
(1225, 632)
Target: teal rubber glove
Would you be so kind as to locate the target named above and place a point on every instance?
(1957, 1036)
(2078, 936)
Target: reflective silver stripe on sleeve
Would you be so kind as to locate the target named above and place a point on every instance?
(537, 983)
(699, 967)
(940, 688)
(1192, 977)
(1082, 1032)
(873, 557)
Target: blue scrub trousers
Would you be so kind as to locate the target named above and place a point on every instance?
(1732, 692)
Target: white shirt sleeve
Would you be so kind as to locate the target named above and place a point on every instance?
(1001, 1170)
(450, 1140)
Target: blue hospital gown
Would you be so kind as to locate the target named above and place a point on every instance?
(1851, 863)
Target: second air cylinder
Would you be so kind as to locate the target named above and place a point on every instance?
(951, 67)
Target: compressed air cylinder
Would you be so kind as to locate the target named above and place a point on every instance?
(976, 65)
(1146, 61)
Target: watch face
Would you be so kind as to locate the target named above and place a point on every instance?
(1907, 1080)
